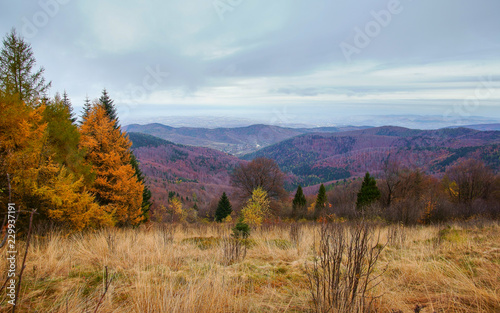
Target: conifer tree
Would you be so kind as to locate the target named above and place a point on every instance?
(108, 104)
(299, 201)
(146, 194)
(109, 107)
(368, 193)
(256, 208)
(320, 201)
(67, 102)
(63, 135)
(87, 105)
(17, 73)
(223, 208)
(116, 186)
(37, 180)
(22, 140)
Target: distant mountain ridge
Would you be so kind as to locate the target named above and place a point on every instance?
(483, 127)
(236, 141)
(308, 158)
(321, 157)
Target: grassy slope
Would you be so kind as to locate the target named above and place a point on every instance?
(453, 269)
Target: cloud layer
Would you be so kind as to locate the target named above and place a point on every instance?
(317, 59)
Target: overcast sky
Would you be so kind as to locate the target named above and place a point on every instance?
(278, 61)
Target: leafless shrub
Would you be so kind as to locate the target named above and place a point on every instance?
(166, 234)
(265, 229)
(221, 229)
(233, 250)
(295, 233)
(396, 235)
(342, 277)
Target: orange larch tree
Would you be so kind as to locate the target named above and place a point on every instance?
(107, 150)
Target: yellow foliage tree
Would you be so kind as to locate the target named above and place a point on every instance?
(256, 208)
(176, 210)
(107, 150)
(71, 203)
(37, 182)
(22, 139)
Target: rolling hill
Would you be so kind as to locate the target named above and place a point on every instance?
(319, 157)
(309, 158)
(185, 170)
(236, 141)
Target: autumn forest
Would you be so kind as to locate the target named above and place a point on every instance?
(116, 218)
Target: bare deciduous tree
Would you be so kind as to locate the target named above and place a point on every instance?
(469, 180)
(392, 172)
(261, 172)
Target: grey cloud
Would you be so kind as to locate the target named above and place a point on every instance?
(89, 45)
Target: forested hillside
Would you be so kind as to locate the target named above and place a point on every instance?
(236, 141)
(193, 174)
(321, 157)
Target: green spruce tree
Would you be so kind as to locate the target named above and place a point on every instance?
(87, 105)
(223, 208)
(67, 102)
(146, 193)
(109, 106)
(368, 193)
(299, 202)
(320, 205)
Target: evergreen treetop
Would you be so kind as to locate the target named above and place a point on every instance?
(109, 106)
(299, 201)
(87, 105)
(67, 103)
(223, 208)
(17, 75)
(320, 200)
(368, 192)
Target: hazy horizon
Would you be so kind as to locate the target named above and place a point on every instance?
(408, 121)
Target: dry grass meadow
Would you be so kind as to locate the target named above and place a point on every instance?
(446, 268)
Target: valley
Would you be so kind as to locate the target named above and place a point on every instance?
(307, 156)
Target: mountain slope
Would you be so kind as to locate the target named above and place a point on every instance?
(236, 141)
(182, 169)
(321, 157)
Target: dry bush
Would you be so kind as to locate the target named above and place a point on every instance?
(233, 250)
(166, 234)
(296, 233)
(342, 276)
(396, 235)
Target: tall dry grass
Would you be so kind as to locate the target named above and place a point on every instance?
(182, 269)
